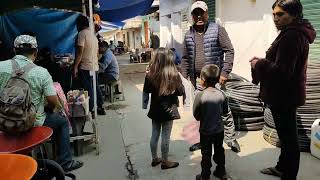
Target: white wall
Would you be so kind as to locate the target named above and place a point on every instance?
(250, 28)
(138, 38)
(154, 25)
(249, 25)
(170, 28)
(171, 6)
(177, 37)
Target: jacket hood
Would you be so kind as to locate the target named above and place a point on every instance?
(307, 30)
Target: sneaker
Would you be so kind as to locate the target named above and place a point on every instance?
(72, 165)
(93, 116)
(101, 111)
(195, 147)
(234, 145)
(156, 162)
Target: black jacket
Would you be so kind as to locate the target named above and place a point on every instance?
(282, 74)
(163, 108)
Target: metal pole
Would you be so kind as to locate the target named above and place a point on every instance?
(84, 8)
(93, 72)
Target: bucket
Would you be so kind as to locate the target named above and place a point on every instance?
(315, 139)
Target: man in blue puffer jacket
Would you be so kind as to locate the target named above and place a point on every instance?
(208, 43)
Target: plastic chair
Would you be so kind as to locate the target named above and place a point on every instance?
(17, 166)
(24, 143)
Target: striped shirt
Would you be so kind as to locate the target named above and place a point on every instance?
(39, 79)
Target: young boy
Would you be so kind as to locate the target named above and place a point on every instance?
(210, 108)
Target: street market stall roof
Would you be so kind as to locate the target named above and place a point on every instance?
(110, 26)
(119, 10)
(109, 10)
(54, 29)
(11, 5)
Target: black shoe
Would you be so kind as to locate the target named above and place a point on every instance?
(222, 175)
(169, 165)
(234, 145)
(195, 147)
(199, 177)
(93, 116)
(72, 165)
(101, 111)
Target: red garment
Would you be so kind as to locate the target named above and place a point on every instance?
(62, 99)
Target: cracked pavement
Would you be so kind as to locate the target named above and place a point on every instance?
(129, 118)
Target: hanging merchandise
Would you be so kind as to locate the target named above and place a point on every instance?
(315, 139)
(78, 102)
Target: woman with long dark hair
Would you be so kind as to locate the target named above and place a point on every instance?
(165, 85)
(282, 78)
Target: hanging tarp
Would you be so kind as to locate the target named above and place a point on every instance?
(10, 5)
(119, 10)
(54, 29)
(110, 26)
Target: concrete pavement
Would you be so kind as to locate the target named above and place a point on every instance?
(128, 117)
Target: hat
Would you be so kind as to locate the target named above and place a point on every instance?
(21, 40)
(199, 4)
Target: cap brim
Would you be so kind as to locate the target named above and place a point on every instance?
(198, 8)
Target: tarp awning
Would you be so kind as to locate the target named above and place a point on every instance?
(10, 5)
(110, 26)
(119, 10)
(109, 10)
(54, 29)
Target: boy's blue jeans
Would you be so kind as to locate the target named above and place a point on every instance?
(61, 136)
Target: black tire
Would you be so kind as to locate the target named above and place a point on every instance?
(48, 169)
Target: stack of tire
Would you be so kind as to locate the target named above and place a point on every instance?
(246, 107)
(306, 114)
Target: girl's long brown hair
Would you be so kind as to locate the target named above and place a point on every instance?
(163, 73)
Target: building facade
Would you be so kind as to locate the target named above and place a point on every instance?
(249, 24)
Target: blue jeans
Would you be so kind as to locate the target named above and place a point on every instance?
(165, 129)
(61, 136)
(86, 81)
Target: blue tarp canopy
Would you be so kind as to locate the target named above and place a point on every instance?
(110, 26)
(54, 29)
(11, 5)
(119, 10)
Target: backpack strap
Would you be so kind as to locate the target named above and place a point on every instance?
(21, 72)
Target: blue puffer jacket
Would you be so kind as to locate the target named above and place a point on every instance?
(212, 50)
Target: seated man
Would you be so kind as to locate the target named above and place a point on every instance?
(177, 60)
(112, 46)
(25, 47)
(108, 63)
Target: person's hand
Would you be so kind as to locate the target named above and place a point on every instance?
(253, 61)
(147, 69)
(222, 80)
(75, 72)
